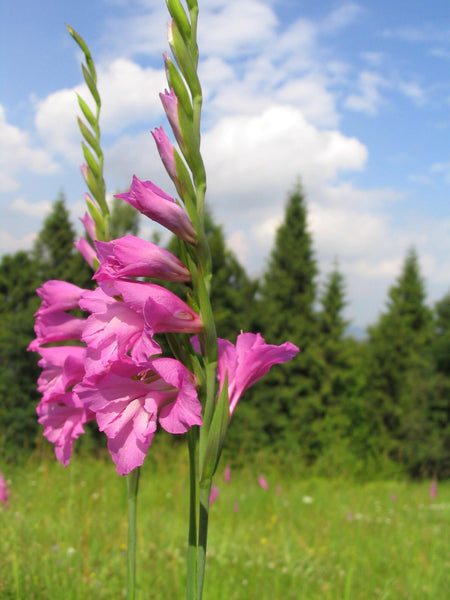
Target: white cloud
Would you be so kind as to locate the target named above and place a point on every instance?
(129, 96)
(17, 155)
(10, 243)
(39, 209)
(368, 98)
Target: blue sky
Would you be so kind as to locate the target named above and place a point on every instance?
(352, 97)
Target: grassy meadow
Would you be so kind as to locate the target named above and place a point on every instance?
(64, 534)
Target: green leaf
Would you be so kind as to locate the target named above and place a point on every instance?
(216, 435)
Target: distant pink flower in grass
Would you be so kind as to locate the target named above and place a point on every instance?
(63, 419)
(394, 497)
(236, 507)
(128, 401)
(214, 494)
(433, 489)
(263, 482)
(154, 203)
(278, 490)
(227, 474)
(4, 491)
(130, 256)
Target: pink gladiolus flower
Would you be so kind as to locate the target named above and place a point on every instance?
(62, 367)
(88, 221)
(163, 311)
(56, 327)
(4, 491)
(263, 482)
(247, 361)
(130, 256)
(166, 152)
(63, 420)
(170, 104)
(128, 400)
(58, 296)
(160, 207)
(227, 474)
(214, 494)
(112, 331)
(86, 251)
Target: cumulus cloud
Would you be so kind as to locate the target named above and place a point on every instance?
(368, 97)
(129, 95)
(18, 155)
(39, 209)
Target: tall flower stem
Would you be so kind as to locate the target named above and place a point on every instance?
(204, 493)
(192, 540)
(132, 489)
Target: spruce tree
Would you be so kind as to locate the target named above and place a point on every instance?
(54, 248)
(398, 357)
(18, 368)
(286, 404)
(124, 219)
(337, 379)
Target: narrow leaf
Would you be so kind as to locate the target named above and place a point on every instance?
(89, 137)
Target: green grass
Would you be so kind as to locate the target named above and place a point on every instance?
(64, 535)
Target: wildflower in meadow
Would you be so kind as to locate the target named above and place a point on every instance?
(214, 494)
(4, 491)
(433, 489)
(114, 371)
(227, 474)
(263, 482)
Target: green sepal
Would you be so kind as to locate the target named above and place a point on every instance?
(184, 185)
(216, 435)
(192, 4)
(90, 160)
(180, 18)
(82, 44)
(176, 82)
(91, 85)
(184, 60)
(98, 219)
(87, 113)
(89, 137)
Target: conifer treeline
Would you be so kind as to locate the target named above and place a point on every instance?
(342, 405)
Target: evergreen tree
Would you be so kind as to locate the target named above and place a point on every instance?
(284, 406)
(232, 292)
(54, 249)
(124, 219)
(398, 357)
(18, 368)
(336, 381)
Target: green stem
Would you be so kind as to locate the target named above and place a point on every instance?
(192, 540)
(132, 492)
(204, 493)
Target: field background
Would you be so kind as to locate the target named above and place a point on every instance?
(64, 533)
